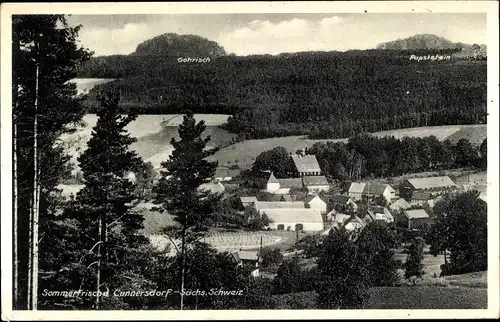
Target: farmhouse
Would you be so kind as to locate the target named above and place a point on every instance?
(378, 213)
(282, 186)
(435, 185)
(342, 203)
(248, 201)
(294, 219)
(315, 183)
(416, 218)
(399, 204)
(224, 174)
(315, 202)
(357, 190)
(306, 165)
(246, 258)
(421, 198)
(354, 223)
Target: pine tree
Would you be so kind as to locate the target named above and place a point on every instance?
(104, 208)
(45, 57)
(178, 190)
(413, 265)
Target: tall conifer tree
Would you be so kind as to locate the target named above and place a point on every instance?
(178, 191)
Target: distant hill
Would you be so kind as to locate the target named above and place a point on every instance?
(171, 44)
(433, 42)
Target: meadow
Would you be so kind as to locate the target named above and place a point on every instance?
(244, 153)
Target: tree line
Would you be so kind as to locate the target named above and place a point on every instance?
(369, 156)
(319, 94)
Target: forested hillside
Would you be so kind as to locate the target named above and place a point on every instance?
(321, 94)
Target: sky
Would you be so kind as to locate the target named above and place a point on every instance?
(245, 34)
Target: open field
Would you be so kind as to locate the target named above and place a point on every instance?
(244, 153)
(153, 133)
(418, 297)
(84, 85)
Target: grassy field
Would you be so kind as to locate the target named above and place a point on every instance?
(244, 153)
(418, 297)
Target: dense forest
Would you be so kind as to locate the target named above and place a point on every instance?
(369, 156)
(320, 94)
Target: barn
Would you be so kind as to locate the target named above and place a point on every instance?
(294, 219)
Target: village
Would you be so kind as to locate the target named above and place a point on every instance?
(307, 204)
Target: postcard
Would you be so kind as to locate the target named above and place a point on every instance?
(269, 160)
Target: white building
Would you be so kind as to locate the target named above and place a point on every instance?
(315, 183)
(315, 202)
(294, 219)
(357, 190)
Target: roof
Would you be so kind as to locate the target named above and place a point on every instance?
(293, 215)
(376, 188)
(420, 195)
(272, 179)
(416, 214)
(378, 209)
(315, 180)
(213, 187)
(355, 218)
(431, 182)
(248, 199)
(307, 163)
(357, 187)
(279, 205)
(400, 203)
(340, 199)
(308, 199)
(290, 183)
(287, 197)
(248, 255)
(225, 172)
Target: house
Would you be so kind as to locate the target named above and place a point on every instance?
(282, 186)
(399, 204)
(435, 185)
(246, 258)
(357, 190)
(421, 198)
(416, 218)
(354, 223)
(248, 201)
(294, 219)
(213, 187)
(224, 174)
(306, 165)
(343, 202)
(315, 202)
(378, 213)
(315, 183)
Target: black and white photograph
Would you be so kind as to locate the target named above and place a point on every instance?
(255, 159)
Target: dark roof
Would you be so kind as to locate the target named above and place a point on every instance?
(340, 199)
(307, 163)
(290, 183)
(375, 188)
(420, 195)
(286, 198)
(377, 209)
(315, 180)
